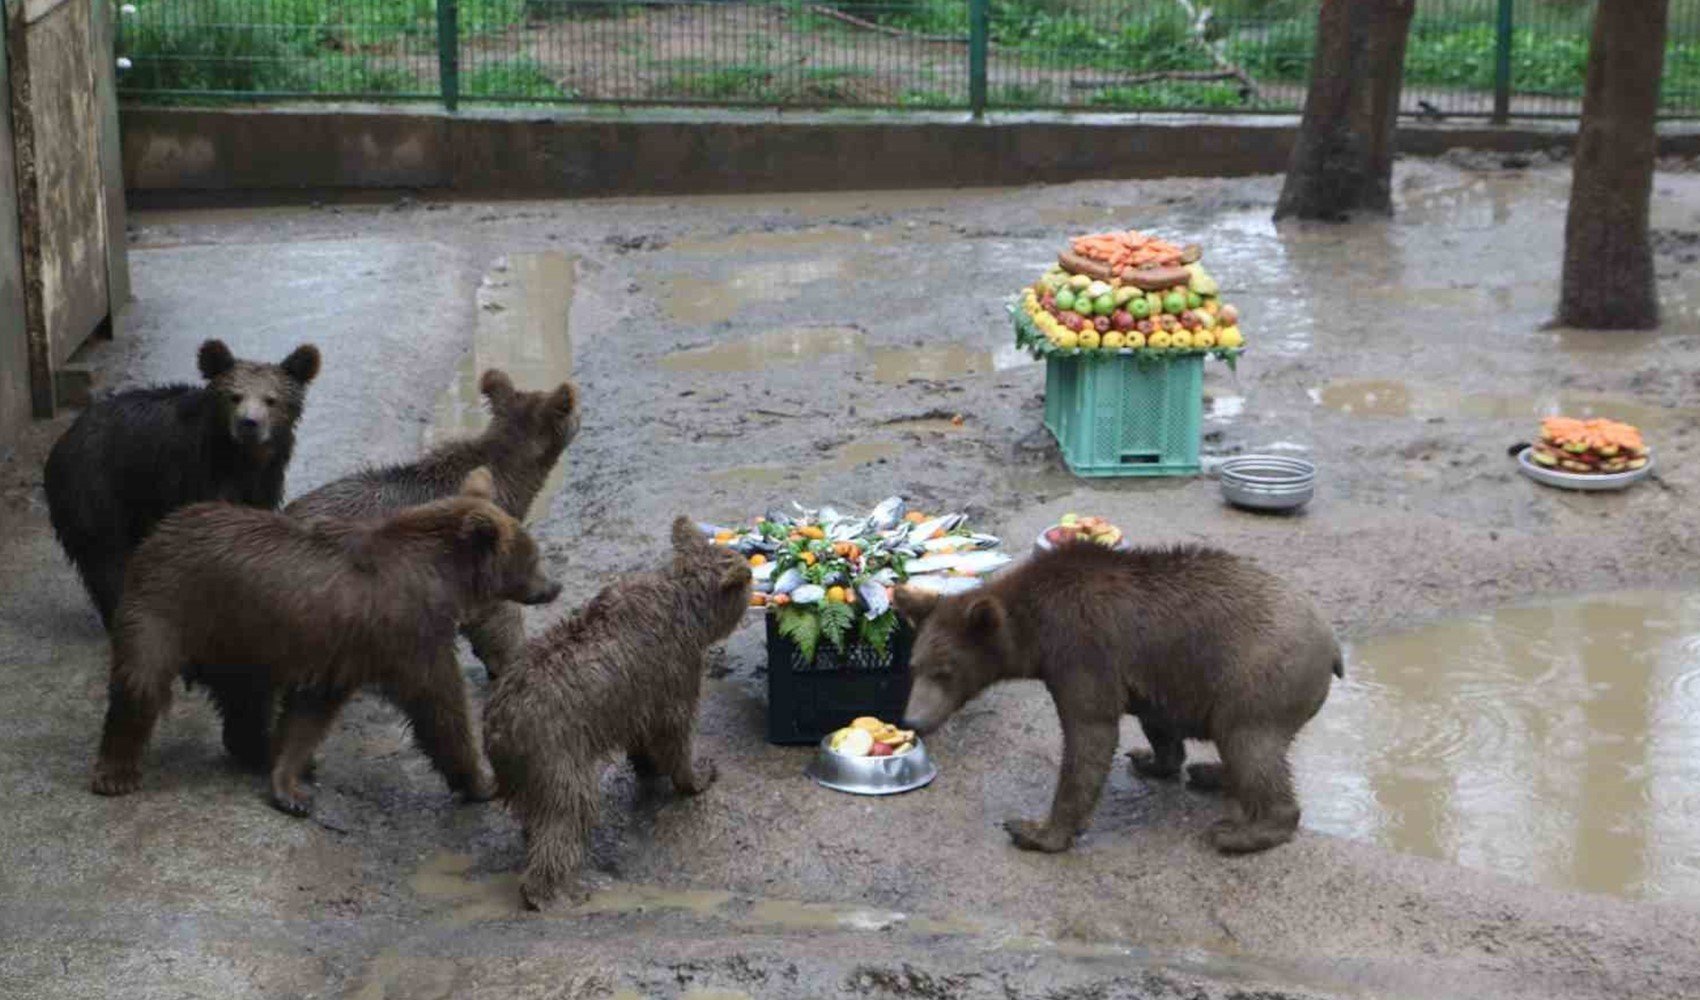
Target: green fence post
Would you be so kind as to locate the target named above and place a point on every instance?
(1502, 65)
(979, 39)
(448, 52)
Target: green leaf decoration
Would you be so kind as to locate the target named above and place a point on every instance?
(877, 632)
(802, 627)
(837, 621)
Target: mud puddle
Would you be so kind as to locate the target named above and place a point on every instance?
(1556, 743)
(798, 345)
(524, 304)
(845, 458)
(1393, 398)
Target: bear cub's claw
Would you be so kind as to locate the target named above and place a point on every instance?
(292, 799)
(1031, 836)
(554, 898)
(115, 781)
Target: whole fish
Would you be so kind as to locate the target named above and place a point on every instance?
(973, 563)
(872, 593)
(888, 514)
(788, 581)
(944, 585)
(808, 593)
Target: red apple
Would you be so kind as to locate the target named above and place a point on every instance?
(1228, 316)
(1073, 321)
(1122, 320)
(881, 750)
(1144, 326)
(1049, 301)
(1101, 324)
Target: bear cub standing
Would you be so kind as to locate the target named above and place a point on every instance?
(623, 674)
(320, 608)
(136, 456)
(525, 438)
(1196, 643)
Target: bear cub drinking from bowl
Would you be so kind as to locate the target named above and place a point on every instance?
(1194, 642)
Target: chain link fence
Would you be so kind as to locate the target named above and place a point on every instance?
(1466, 58)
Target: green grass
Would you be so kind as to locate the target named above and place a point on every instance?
(388, 47)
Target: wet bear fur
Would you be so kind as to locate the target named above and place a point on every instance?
(526, 435)
(1196, 643)
(321, 608)
(135, 456)
(622, 675)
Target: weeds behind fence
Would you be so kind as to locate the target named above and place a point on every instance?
(1466, 58)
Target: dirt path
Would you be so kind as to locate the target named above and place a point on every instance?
(767, 886)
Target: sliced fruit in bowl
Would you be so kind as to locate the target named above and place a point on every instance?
(1072, 528)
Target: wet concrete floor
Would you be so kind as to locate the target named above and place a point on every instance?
(1497, 797)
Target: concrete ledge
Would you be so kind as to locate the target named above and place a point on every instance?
(673, 151)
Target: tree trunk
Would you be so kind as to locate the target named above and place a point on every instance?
(1343, 160)
(1608, 261)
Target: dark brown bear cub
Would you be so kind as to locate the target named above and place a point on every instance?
(322, 608)
(136, 456)
(623, 674)
(1196, 643)
(525, 437)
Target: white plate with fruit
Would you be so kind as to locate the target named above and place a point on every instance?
(1072, 528)
(871, 757)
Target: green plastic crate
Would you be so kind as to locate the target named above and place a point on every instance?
(1116, 416)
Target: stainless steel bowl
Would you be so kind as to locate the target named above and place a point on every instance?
(872, 775)
(1267, 482)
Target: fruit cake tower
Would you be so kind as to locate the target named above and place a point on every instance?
(1126, 292)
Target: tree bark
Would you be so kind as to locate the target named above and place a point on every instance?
(1343, 159)
(1608, 279)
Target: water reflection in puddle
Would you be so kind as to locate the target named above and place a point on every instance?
(523, 309)
(1555, 743)
(778, 348)
(1392, 398)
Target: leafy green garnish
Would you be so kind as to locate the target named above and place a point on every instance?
(877, 632)
(836, 623)
(802, 627)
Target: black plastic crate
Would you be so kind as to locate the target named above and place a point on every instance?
(805, 701)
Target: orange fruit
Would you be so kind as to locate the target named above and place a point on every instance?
(813, 531)
(758, 600)
(808, 558)
(724, 536)
(914, 517)
(758, 560)
(780, 600)
(835, 595)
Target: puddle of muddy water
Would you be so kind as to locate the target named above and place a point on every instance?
(1392, 398)
(797, 345)
(523, 310)
(1556, 743)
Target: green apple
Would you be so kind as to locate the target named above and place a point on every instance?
(1065, 298)
(1104, 304)
(1126, 294)
(1174, 302)
(1194, 300)
(1140, 307)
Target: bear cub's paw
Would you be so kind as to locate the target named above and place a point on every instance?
(1031, 836)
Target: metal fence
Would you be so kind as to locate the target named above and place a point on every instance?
(1466, 58)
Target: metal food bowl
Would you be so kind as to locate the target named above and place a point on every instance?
(872, 775)
(1267, 482)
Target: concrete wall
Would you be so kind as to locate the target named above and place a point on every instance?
(14, 346)
(648, 152)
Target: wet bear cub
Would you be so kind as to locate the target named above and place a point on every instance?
(621, 675)
(1196, 643)
(136, 456)
(321, 609)
(525, 438)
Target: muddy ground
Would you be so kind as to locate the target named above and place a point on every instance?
(768, 886)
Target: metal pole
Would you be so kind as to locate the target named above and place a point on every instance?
(979, 39)
(448, 52)
(1502, 64)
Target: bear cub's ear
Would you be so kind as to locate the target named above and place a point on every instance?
(485, 527)
(985, 616)
(686, 535)
(497, 387)
(479, 484)
(214, 359)
(914, 605)
(302, 365)
(564, 400)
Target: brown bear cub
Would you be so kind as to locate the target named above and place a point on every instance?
(525, 438)
(322, 608)
(622, 674)
(1196, 643)
(136, 456)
